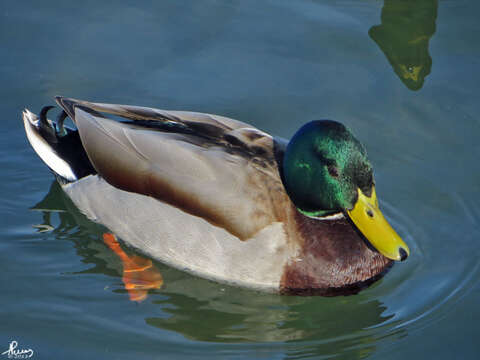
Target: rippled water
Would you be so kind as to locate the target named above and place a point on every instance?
(402, 74)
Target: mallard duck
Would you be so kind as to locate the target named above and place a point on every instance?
(221, 199)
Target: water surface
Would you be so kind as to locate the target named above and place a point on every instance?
(402, 74)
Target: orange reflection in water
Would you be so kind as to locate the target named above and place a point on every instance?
(139, 274)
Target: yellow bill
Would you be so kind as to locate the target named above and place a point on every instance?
(372, 224)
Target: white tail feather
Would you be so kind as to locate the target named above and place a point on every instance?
(44, 149)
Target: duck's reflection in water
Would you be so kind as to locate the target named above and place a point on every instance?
(206, 311)
(403, 36)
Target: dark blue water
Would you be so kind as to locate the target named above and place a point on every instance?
(402, 74)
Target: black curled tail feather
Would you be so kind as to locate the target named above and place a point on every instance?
(58, 146)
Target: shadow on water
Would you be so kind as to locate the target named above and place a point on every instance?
(209, 312)
(403, 36)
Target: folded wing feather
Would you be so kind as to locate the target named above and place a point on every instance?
(217, 168)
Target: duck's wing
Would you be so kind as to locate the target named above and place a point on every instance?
(209, 166)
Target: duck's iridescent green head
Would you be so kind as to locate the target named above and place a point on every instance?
(326, 170)
(323, 167)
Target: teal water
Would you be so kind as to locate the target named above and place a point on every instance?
(402, 74)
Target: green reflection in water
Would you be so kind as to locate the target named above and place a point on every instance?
(202, 310)
(406, 29)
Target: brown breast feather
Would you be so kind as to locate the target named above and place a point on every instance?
(333, 260)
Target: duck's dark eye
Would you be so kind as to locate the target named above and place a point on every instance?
(365, 181)
(332, 170)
